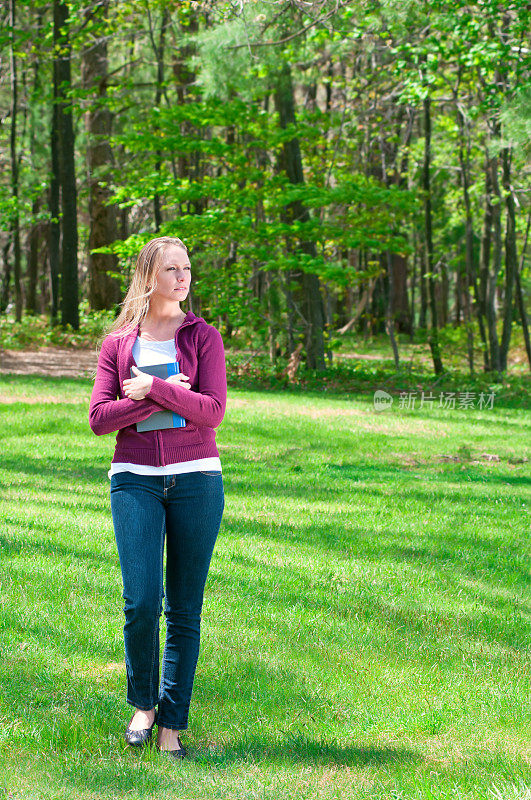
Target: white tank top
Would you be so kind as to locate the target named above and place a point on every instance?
(146, 354)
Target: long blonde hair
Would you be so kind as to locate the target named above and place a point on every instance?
(144, 282)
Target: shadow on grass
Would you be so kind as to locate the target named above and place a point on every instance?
(89, 719)
(487, 555)
(151, 773)
(298, 480)
(302, 749)
(49, 547)
(488, 560)
(94, 718)
(392, 619)
(486, 550)
(463, 473)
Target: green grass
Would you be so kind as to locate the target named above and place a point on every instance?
(367, 621)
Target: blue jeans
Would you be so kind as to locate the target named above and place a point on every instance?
(186, 511)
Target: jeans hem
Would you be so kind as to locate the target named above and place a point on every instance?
(174, 727)
(142, 708)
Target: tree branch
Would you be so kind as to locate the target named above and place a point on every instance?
(270, 43)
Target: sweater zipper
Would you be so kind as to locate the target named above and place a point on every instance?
(159, 434)
(190, 322)
(161, 450)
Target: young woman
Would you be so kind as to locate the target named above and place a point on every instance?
(166, 484)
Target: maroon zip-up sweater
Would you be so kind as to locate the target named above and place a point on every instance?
(201, 356)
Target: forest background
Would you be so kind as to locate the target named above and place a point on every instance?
(337, 169)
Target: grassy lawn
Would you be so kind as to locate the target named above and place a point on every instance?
(367, 621)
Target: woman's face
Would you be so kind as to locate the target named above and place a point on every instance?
(174, 275)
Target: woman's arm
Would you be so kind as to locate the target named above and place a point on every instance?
(106, 413)
(207, 405)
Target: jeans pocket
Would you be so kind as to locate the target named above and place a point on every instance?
(117, 478)
(211, 472)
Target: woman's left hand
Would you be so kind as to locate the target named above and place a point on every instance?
(137, 388)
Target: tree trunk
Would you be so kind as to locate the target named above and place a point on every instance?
(6, 275)
(485, 254)
(464, 162)
(313, 312)
(103, 290)
(389, 321)
(15, 217)
(396, 264)
(159, 54)
(400, 312)
(492, 230)
(413, 283)
(273, 311)
(520, 295)
(469, 244)
(423, 286)
(511, 265)
(54, 228)
(523, 317)
(445, 292)
(286, 279)
(67, 170)
(184, 78)
(35, 231)
(433, 336)
(33, 258)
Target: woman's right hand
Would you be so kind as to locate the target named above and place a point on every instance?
(180, 380)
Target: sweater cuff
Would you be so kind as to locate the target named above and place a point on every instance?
(161, 391)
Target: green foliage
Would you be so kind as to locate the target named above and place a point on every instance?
(202, 137)
(221, 76)
(349, 376)
(36, 331)
(357, 211)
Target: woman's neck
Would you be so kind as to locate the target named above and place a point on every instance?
(161, 327)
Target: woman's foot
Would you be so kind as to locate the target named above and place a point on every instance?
(168, 740)
(138, 732)
(142, 720)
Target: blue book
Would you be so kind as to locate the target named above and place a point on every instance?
(166, 418)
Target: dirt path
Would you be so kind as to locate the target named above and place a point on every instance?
(69, 362)
(55, 361)
(81, 363)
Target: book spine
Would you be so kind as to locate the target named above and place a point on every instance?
(178, 420)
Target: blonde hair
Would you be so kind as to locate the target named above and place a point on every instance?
(144, 282)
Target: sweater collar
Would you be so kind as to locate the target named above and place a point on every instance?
(130, 338)
(189, 319)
